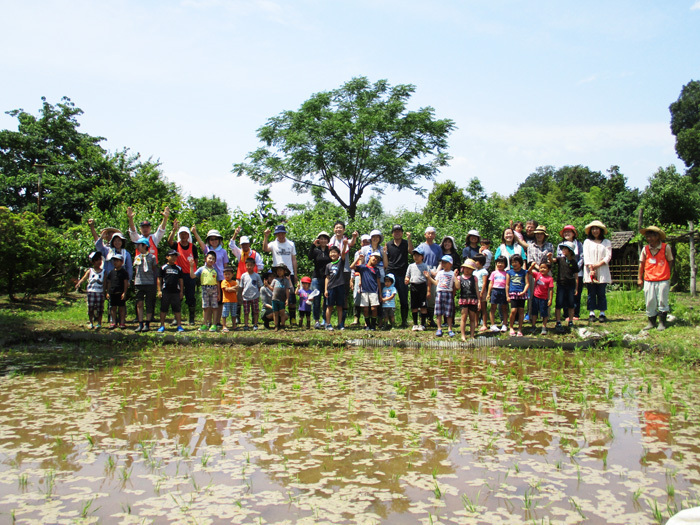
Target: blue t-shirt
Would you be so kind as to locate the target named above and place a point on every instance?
(388, 292)
(369, 278)
(517, 280)
(432, 254)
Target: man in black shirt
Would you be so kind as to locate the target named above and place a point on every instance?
(397, 251)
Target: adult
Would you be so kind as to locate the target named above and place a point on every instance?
(655, 266)
(186, 250)
(471, 246)
(145, 228)
(509, 247)
(541, 250)
(449, 247)
(397, 250)
(597, 253)
(320, 256)
(569, 234)
(432, 253)
(241, 254)
(284, 252)
(109, 243)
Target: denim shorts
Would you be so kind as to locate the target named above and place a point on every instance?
(566, 296)
(230, 310)
(540, 308)
(498, 296)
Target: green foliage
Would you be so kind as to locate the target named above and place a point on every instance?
(27, 260)
(355, 138)
(685, 125)
(670, 198)
(206, 208)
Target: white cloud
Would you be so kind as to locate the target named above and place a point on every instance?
(695, 6)
(588, 80)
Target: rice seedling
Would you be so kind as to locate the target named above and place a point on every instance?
(636, 494)
(655, 511)
(23, 481)
(86, 508)
(392, 413)
(577, 507)
(49, 482)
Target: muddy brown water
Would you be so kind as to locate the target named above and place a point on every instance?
(283, 435)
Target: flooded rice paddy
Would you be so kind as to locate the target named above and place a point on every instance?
(283, 435)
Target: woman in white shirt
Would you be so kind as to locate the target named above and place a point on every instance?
(597, 252)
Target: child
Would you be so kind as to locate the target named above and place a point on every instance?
(95, 278)
(171, 289)
(518, 227)
(281, 288)
(567, 284)
(214, 242)
(229, 287)
(146, 283)
(418, 285)
(389, 300)
(445, 286)
(485, 250)
(335, 285)
(481, 275)
(266, 297)
(249, 286)
(118, 280)
(303, 291)
(356, 293)
(655, 266)
(544, 290)
(497, 293)
(469, 298)
(517, 285)
(369, 286)
(210, 289)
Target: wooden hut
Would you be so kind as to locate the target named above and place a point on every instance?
(625, 259)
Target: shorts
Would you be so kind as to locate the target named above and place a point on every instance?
(419, 291)
(369, 299)
(96, 303)
(115, 299)
(445, 304)
(210, 296)
(517, 303)
(498, 296)
(266, 312)
(469, 304)
(336, 296)
(230, 309)
(277, 306)
(252, 305)
(566, 296)
(388, 311)
(170, 299)
(540, 308)
(147, 293)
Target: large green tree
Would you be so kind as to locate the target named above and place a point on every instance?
(685, 125)
(356, 138)
(671, 198)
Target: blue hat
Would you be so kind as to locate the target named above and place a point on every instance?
(447, 258)
(419, 250)
(117, 257)
(142, 240)
(280, 229)
(390, 276)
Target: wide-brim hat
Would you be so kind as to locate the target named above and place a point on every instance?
(541, 229)
(376, 232)
(107, 233)
(214, 233)
(283, 266)
(469, 263)
(569, 227)
(323, 234)
(568, 244)
(451, 239)
(475, 233)
(654, 229)
(118, 235)
(599, 224)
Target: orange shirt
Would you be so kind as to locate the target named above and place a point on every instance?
(229, 297)
(656, 267)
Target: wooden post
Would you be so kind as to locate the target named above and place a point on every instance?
(640, 225)
(693, 269)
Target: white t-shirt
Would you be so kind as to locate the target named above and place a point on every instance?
(282, 253)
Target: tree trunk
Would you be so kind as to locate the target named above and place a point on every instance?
(693, 269)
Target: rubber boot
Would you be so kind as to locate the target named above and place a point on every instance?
(191, 315)
(662, 321)
(651, 324)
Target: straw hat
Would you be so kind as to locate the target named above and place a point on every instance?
(654, 229)
(541, 229)
(597, 223)
(469, 263)
(214, 233)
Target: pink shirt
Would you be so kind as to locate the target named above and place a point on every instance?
(498, 278)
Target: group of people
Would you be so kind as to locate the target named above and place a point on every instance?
(520, 274)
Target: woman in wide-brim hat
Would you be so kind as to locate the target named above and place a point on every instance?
(569, 234)
(597, 253)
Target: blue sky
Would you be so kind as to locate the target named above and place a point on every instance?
(528, 84)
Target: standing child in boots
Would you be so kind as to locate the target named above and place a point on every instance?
(95, 278)
(118, 280)
(567, 284)
(655, 266)
(445, 286)
(229, 288)
(335, 285)
(389, 300)
(170, 290)
(544, 291)
(517, 286)
(469, 299)
(418, 286)
(303, 291)
(281, 291)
